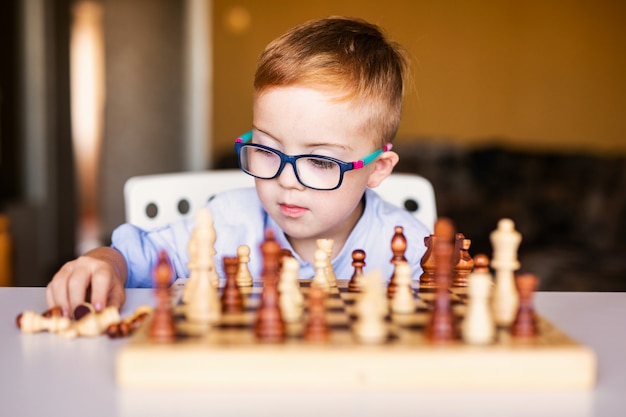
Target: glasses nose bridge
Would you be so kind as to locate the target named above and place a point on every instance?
(288, 159)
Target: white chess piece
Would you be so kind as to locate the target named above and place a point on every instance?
(505, 241)
(291, 299)
(320, 279)
(371, 310)
(201, 296)
(32, 322)
(478, 327)
(244, 278)
(327, 246)
(402, 301)
(93, 324)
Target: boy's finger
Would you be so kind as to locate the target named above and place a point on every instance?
(100, 287)
(57, 295)
(57, 291)
(77, 287)
(117, 297)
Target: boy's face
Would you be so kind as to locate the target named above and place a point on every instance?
(299, 120)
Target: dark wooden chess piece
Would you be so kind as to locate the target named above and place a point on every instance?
(525, 325)
(358, 262)
(398, 247)
(162, 325)
(441, 326)
(316, 329)
(427, 279)
(232, 301)
(463, 262)
(269, 326)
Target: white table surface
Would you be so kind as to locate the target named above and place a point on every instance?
(48, 375)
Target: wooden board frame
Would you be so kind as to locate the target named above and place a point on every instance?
(229, 357)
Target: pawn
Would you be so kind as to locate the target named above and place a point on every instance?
(244, 278)
(316, 329)
(320, 279)
(232, 301)
(358, 262)
(398, 247)
(403, 301)
(327, 246)
(525, 325)
(478, 327)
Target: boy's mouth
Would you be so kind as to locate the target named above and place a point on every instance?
(290, 210)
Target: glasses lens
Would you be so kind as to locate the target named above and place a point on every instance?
(260, 162)
(320, 173)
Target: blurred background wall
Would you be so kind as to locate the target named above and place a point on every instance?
(517, 110)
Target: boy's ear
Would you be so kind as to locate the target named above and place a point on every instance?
(383, 166)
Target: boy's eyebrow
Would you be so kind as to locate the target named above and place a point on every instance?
(315, 144)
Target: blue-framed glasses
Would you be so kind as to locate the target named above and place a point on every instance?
(313, 171)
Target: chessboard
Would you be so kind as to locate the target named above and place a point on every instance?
(228, 355)
(455, 330)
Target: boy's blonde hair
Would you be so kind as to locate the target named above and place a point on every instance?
(349, 57)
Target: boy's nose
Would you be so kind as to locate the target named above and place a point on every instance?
(288, 178)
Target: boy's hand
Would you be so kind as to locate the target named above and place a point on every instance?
(103, 270)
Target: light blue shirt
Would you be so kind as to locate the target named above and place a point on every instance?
(239, 218)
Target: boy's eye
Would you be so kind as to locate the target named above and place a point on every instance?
(321, 163)
(263, 152)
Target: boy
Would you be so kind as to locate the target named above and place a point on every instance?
(327, 91)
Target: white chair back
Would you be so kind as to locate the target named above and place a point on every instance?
(155, 200)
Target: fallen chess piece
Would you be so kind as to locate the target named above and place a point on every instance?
(130, 324)
(51, 321)
(93, 324)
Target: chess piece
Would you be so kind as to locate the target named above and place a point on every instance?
(525, 324)
(269, 326)
(398, 247)
(291, 299)
(200, 296)
(316, 328)
(478, 327)
(232, 301)
(244, 278)
(441, 327)
(427, 279)
(6, 252)
(129, 325)
(327, 246)
(32, 322)
(403, 301)
(371, 309)
(320, 279)
(358, 262)
(505, 241)
(55, 311)
(463, 262)
(162, 325)
(93, 324)
(201, 249)
(83, 309)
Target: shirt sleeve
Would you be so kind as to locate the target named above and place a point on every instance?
(141, 249)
